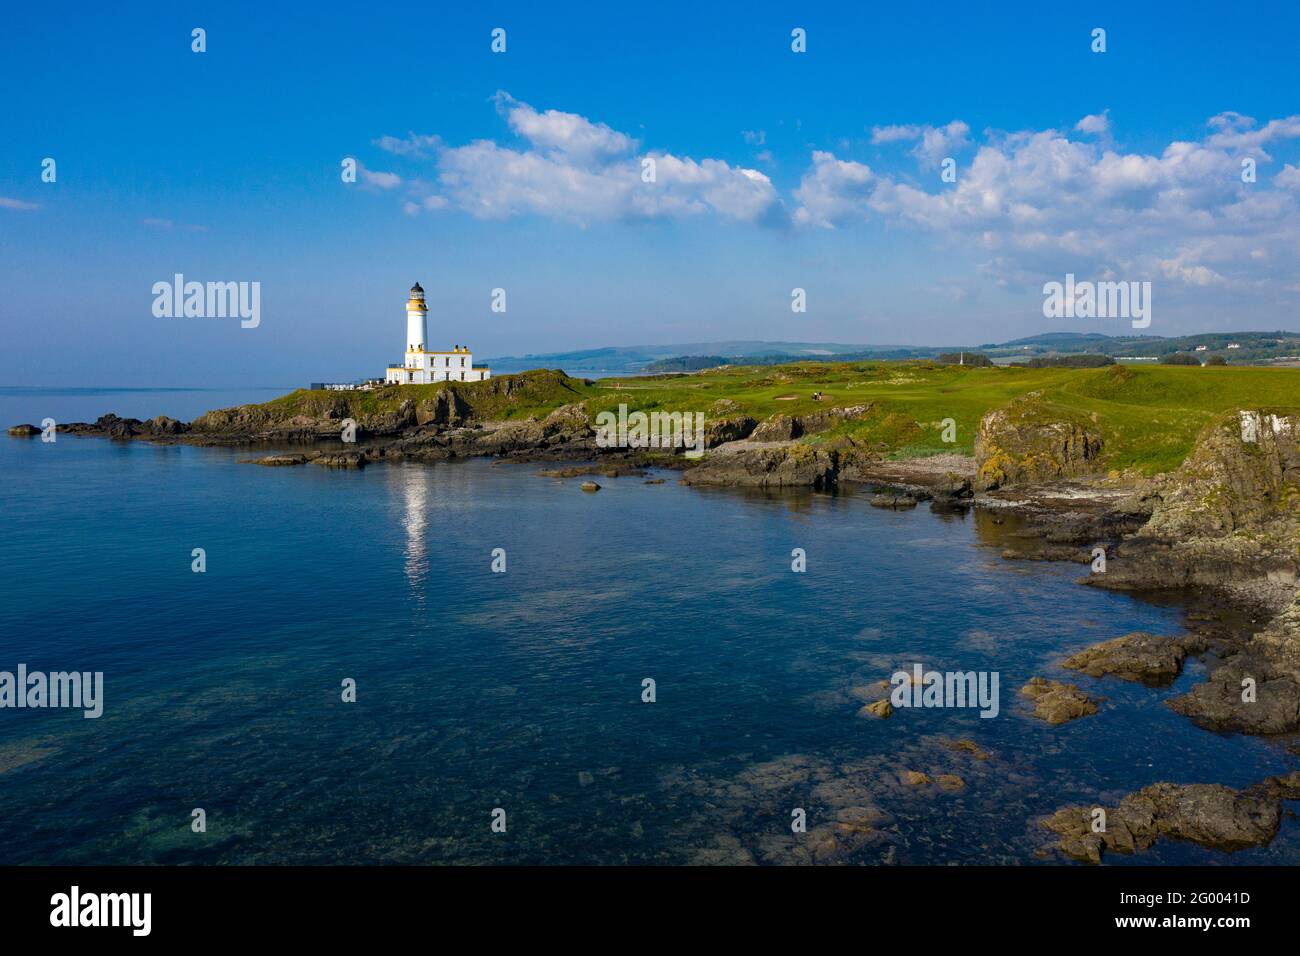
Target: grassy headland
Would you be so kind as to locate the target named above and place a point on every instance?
(1149, 416)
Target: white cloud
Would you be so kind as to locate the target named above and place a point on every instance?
(1038, 202)
(566, 135)
(573, 169)
(1097, 124)
(1237, 133)
(935, 143)
(833, 191)
(414, 144)
(1288, 177)
(1030, 203)
(380, 180)
(7, 203)
(894, 134)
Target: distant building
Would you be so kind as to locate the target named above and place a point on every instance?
(1233, 345)
(1201, 348)
(420, 367)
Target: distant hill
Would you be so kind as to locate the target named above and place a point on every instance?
(633, 359)
(1252, 348)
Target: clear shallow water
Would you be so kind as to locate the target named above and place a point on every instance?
(522, 690)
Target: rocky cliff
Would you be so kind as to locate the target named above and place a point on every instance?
(1031, 441)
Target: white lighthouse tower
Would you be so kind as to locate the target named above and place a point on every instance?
(420, 366)
(417, 320)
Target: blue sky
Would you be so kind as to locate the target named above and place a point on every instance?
(521, 170)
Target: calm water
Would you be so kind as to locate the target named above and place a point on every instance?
(522, 690)
(29, 406)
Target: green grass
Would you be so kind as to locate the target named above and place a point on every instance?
(533, 393)
(1149, 416)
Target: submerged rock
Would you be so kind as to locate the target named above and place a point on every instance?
(1056, 702)
(1048, 552)
(970, 747)
(893, 501)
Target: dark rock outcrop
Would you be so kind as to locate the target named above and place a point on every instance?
(1031, 441)
(343, 459)
(787, 466)
(1206, 814)
(1142, 657)
(1227, 519)
(777, 428)
(719, 431)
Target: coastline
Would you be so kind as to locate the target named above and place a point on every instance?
(1063, 513)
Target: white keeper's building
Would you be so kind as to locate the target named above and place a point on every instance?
(422, 366)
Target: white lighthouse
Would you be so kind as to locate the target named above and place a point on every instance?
(421, 366)
(417, 320)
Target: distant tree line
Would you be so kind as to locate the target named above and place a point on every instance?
(964, 358)
(1082, 360)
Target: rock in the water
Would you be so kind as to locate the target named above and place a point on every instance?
(952, 486)
(1257, 690)
(893, 501)
(786, 466)
(950, 781)
(279, 460)
(162, 425)
(1207, 814)
(1056, 702)
(970, 747)
(346, 459)
(1250, 694)
(1139, 656)
(23, 431)
(590, 486)
(881, 709)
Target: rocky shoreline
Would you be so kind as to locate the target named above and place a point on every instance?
(1225, 524)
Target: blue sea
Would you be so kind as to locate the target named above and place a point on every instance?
(522, 691)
